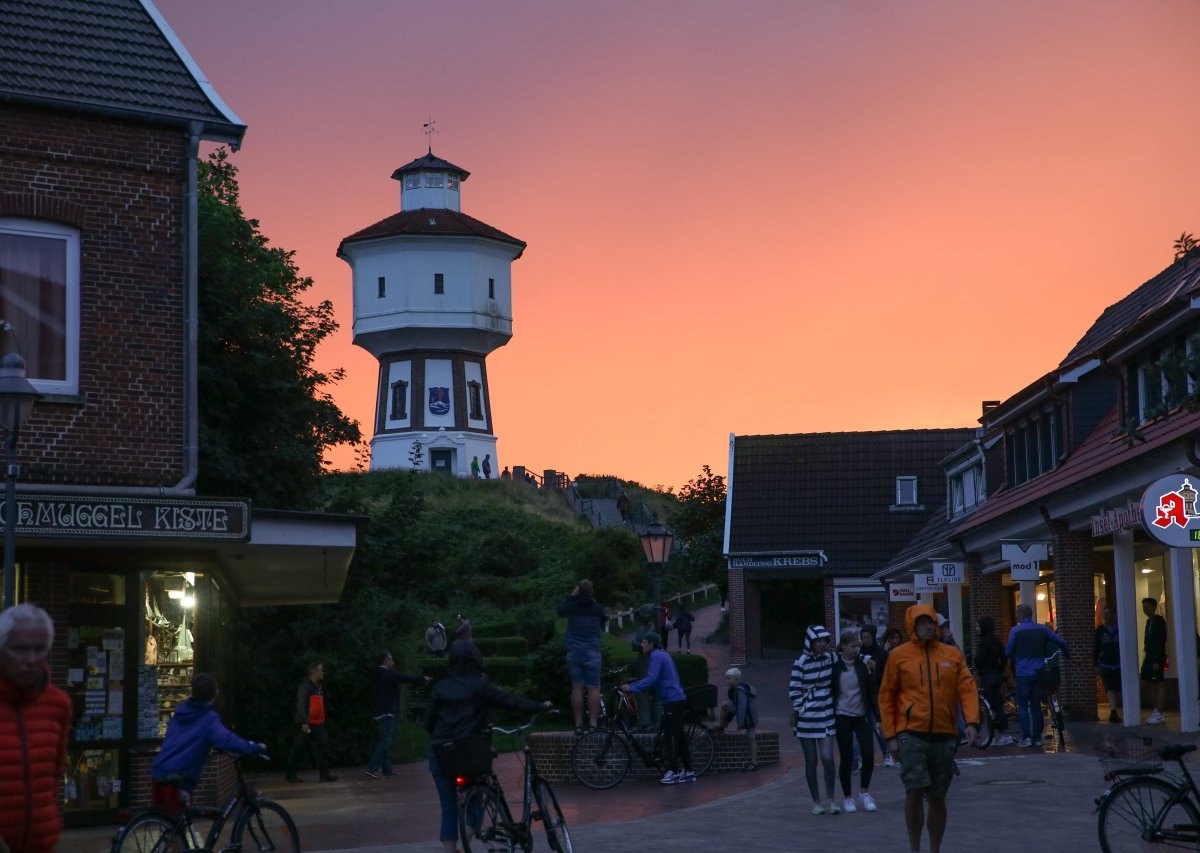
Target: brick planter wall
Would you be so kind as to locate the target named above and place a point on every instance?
(552, 752)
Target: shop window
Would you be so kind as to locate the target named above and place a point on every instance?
(168, 650)
(859, 607)
(96, 588)
(93, 780)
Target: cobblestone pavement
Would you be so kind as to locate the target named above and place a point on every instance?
(1003, 797)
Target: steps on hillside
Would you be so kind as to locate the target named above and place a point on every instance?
(604, 513)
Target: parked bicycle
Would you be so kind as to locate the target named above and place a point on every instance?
(600, 759)
(259, 824)
(485, 822)
(1146, 810)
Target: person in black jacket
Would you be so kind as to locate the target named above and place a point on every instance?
(990, 666)
(876, 657)
(385, 699)
(459, 707)
(855, 705)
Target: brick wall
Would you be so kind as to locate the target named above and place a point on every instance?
(552, 752)
(735, 599)
(1074, 600)
(122, 186)
(896, 612)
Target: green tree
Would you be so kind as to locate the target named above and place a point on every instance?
(266, 416)
(698, 519)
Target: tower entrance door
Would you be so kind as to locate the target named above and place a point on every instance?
(441, 460)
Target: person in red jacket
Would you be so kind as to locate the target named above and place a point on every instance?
(924, 683)
(35, 720)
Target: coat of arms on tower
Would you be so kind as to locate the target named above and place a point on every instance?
(439, 401)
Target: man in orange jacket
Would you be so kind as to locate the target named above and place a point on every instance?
(924, 684)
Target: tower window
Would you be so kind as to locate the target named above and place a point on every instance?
(491, 288)
(452, 182)
(474, 401)
(439, 283)
(382, 287)
(399, 407)
(433, 179)
(412, 181)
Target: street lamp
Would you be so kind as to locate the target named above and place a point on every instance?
(16, 401)
(656, 542)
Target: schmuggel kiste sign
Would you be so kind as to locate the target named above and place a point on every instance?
(74, 517)
(797, 560)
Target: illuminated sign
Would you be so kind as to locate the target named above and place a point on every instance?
(74, 517)
(1169, 511)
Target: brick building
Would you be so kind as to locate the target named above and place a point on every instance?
(103, 111)
(816, 515)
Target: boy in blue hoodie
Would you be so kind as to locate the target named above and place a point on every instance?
(194, 730)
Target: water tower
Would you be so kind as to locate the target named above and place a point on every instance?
(432, 297)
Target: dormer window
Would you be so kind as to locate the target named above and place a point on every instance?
(1163, 379)
(906, 491)
(434, 179)
(1035, 445)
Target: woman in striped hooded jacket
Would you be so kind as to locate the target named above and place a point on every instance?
(811, 692)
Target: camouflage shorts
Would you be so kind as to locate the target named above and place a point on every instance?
(927, 761)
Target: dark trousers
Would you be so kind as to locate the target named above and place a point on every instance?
(1029, 707)
(848, 729)
(315, 739)
(993, 691)
(676, 753)
(381, 756)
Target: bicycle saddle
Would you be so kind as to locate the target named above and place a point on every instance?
(1175, 751)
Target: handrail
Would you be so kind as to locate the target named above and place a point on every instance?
(631, 613)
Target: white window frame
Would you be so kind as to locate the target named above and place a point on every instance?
(902, 481)
(69, 237)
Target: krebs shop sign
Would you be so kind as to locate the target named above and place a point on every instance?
(67, 516)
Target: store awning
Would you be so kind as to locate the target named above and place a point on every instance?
(291, 558)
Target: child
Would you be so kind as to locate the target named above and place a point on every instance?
(741, 708)
(811, 692)
(195, 728)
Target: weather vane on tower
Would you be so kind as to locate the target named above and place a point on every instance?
(430, 130)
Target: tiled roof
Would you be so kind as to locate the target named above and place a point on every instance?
(1101, 451)
(107, 56)
(427, 162)
(431, 221)
(834, 492)
(1179, 279)
(930, 540)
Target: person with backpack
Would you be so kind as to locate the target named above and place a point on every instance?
(683, 625)
(742, 709)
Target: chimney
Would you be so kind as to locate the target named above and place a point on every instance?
(988, 405)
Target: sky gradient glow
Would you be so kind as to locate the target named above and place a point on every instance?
(752, 217)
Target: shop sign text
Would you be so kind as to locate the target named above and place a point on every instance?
(127, 517)
(798, 560)
(1115, 520)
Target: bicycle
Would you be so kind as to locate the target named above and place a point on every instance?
(258, 824)
(600, 759)
(1145, 811)
(485, 821)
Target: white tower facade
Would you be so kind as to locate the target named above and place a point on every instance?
(432, 297)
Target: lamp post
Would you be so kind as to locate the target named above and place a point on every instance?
(656, 542)
(16, 401)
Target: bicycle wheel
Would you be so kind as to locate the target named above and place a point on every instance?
(1147, 813)
(600, 759)
(484, 822)
(149, 832)
(552, 818)
(702, 747)
(987, 724)
(266, 826)
(1056, 714)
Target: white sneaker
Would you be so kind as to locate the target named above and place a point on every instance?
(888, 761)
(686, 776)
(1003, 740)
(1156, 719)
(834, 808)
(1025, 743)
(868, 803)
(669, 778)
(849, 805)
(818, 808)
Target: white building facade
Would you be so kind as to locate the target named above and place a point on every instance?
(432, 298)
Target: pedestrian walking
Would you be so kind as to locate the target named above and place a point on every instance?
(918, 714)
(487, 466)
(474, 467)
(876, 657)
(683, 625)
(1154, 664)
(310, 718)
(811, 692)
(855, 705)
(990, 666)
(1106, 657)
(1027, 649)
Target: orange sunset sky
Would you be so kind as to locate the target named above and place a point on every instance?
(748, 217)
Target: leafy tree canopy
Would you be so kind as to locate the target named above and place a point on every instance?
(266, 416)
(698, 519)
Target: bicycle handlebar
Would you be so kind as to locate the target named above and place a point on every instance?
(549, 712)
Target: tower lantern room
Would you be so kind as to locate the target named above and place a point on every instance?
(432, 298)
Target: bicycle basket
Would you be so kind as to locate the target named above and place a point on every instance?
(468, 756)
(702, 697)
(1131, 755)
